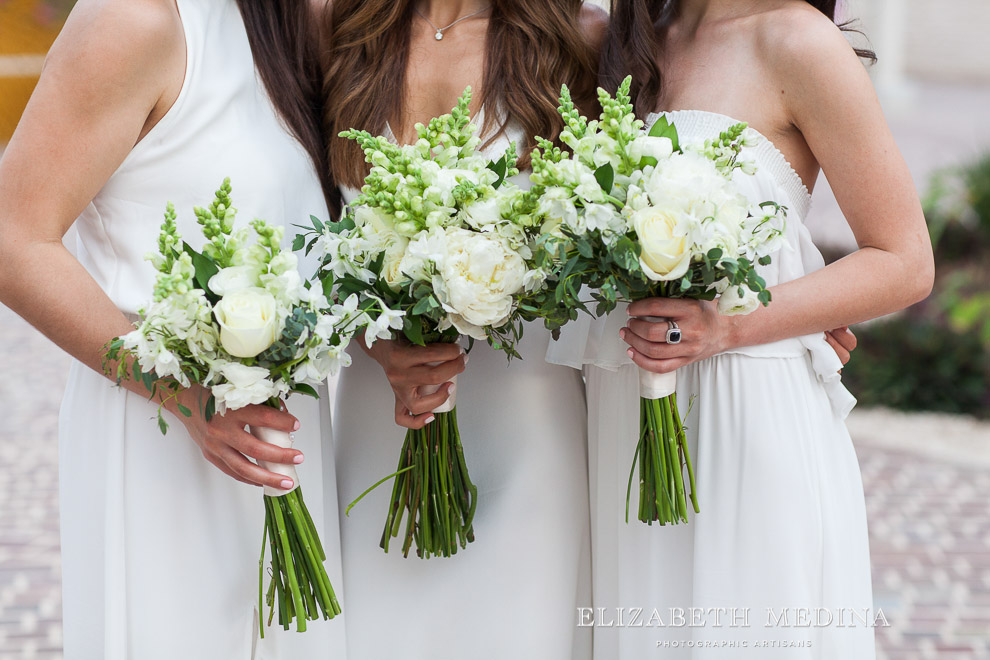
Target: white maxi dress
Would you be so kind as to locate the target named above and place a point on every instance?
(515, 591)
(159, 548)
(783, 522)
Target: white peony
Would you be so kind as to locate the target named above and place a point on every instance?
(477, 276)
(243, 386)
(248, 321)
(730, 303)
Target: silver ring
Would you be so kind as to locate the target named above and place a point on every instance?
(673, 332)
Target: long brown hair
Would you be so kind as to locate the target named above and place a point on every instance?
(284, 42)
(530, 50)
(635, 37)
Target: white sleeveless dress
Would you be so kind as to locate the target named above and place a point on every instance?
(514, 592)
(783, 520)
(159, 548)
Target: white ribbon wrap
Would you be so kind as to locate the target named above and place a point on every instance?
(279, 439)
(427, 390)
(653, 385)
(447, 405)
(656, 386)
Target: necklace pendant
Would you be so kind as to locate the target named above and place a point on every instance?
(438, 36)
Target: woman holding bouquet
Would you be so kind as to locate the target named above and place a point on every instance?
(144, 102)
(781, 538)
(515, 590)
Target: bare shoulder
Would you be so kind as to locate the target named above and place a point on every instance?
(120, 34)
(798, 42)
(594, 24)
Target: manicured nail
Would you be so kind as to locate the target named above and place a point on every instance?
(629, 352)
(622, 333)
(430, 419)
(286, 484)
(295, 427)
(298, 458)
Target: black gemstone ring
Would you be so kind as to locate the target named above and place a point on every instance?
(673, 333)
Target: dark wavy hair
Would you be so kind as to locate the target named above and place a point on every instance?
(635, 36)
(531, 49)
(285, 44)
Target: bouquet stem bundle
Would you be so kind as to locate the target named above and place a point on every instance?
(299, 582)
(662, 456)
(433, 491)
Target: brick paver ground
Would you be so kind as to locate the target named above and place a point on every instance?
(929, 512)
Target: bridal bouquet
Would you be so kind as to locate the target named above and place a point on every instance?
(239, 320)
(439, 245)
(640, 215)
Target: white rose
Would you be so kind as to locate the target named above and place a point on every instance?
(644, 146)
(483, 213)
(248, 322)
(666, 252)
(234, 278)
(730, 303)
(244, 386)
(392, 264)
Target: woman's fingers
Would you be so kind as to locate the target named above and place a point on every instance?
(251, 472)
(654, 365)
(406, 356)
(247, 444)
(845, 337)
(424, 403)
(266, 416)
(220, 465)
(839, 349)
(408, 420)
(655, 331)
(651, 349)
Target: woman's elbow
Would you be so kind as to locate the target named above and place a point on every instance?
(921, 275)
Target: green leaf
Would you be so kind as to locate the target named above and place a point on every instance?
(317, 223)
(182, 409)
(498, 167)
(663, 128)
(205, 268)
(302, 388)
(162, 424)
(298, 242)
(211, 408)
(764, 297)
(412, 327)
(765, 260)
(605, 175)
(422, 306)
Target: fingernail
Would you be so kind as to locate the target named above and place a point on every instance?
(286, 484)
(295, 427)
(298, 458)
(430, 419)
(629, 352)
(622, 333)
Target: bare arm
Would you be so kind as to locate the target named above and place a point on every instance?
(111, 75)
(831, 101)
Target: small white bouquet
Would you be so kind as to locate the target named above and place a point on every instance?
(238, 319)
(639, 215)
(438, 245)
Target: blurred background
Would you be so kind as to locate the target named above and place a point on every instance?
(922, 429)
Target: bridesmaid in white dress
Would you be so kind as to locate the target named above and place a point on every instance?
(514, 592)
(782, 522)
(142, 102)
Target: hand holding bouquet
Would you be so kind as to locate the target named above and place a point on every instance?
(438, 245)
(238, 319)
(640, 215)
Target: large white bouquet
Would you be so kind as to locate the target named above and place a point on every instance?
(438, 245)
(238, 319)
(640, 215)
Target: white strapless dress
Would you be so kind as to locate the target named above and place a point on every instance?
(514, 592)
(783, 520)
(159, 548)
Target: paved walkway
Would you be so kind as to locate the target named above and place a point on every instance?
(927, 483)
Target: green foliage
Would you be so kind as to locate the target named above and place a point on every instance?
(920, 364)
(957, 208)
